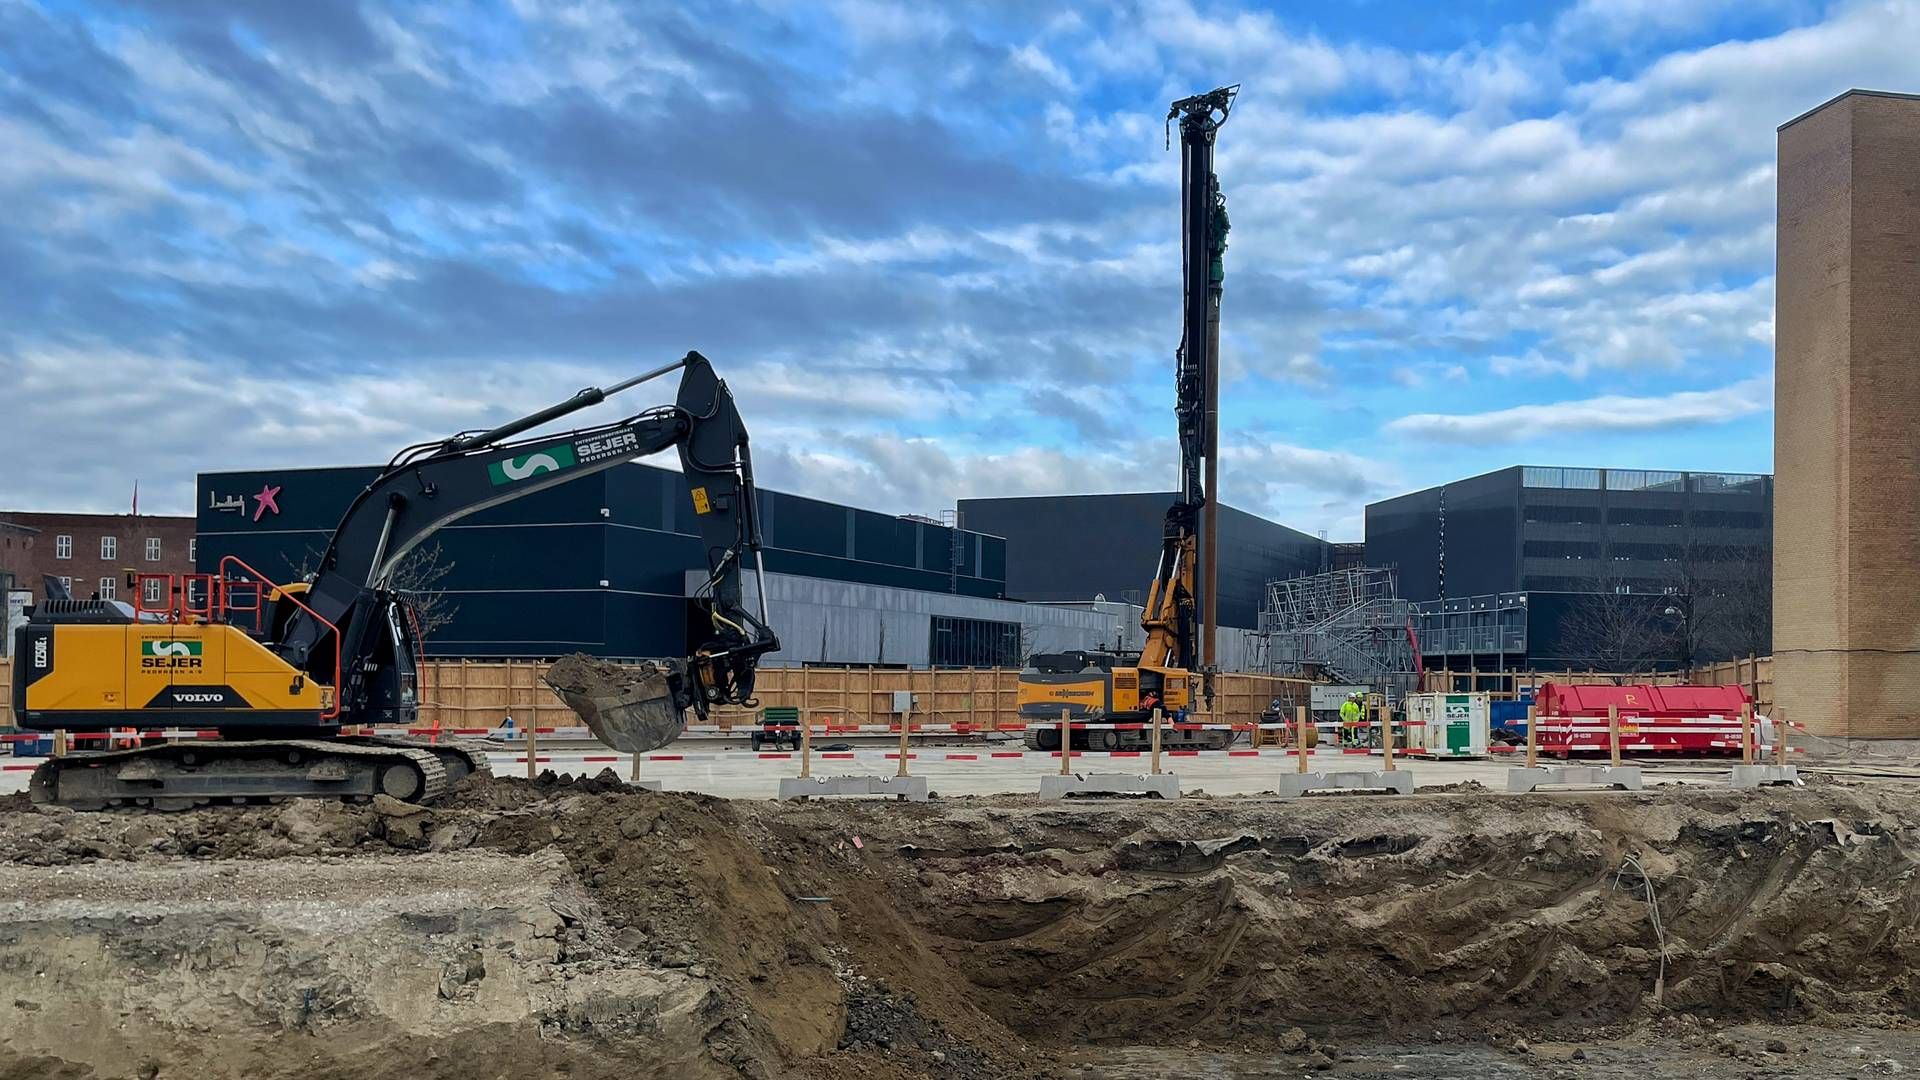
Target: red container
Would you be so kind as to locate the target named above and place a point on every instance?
(1653, 719)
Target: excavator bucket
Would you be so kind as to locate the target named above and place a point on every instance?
(630, 707)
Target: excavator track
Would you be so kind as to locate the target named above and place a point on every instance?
(183, 775)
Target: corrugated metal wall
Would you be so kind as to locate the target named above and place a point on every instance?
(1239, 650)
(842, 622)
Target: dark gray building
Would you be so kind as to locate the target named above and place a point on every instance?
(1475, 545)
(1074, 547)
(601, 565)
(1547, 529)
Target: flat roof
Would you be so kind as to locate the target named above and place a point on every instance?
(1843, 95)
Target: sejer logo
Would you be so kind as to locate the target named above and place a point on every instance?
(606, 446)
(552, 459)
(159, 654)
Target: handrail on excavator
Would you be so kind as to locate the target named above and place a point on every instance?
(258, 578)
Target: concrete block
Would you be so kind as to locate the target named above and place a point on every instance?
(1753, 776)
(1163, 785)
(1521, 779)
(910, 788)
(1295, 784)
(644, 785)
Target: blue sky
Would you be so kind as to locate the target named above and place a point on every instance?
(933, 248)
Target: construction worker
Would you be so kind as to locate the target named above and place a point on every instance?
(1350, 712)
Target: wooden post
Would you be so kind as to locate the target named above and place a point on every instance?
(533, 750)
(60, 742)
(1779, 736)
(806, 746)
(1613, 734)
(1385, 716)
(906, 731)
(1746, 734)
(1066, 744)
(1156, 741)
(1300, 729)
(1533, 736)
(633, 773)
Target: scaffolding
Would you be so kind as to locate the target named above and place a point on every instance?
(1347, 626)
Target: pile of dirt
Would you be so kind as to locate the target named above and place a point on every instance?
(585, 927)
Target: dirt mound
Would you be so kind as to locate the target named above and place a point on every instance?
(1138, 923)
(377, 966)
(577, 926)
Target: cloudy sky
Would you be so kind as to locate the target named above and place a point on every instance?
(933, 247)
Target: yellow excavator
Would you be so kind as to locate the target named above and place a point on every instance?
(1122, 687)
(341, 651)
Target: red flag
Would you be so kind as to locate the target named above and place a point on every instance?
(136, 498)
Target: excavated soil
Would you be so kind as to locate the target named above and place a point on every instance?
(554, 928)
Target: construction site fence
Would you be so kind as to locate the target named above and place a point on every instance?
(483, 693)
(1755, 673)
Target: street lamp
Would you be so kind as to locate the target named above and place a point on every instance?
(1681, 608)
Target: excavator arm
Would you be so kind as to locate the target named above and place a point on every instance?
(429, 486)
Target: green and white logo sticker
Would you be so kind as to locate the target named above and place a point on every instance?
(163, 647)
(552, 459)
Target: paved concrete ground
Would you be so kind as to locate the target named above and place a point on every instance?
(736, 772)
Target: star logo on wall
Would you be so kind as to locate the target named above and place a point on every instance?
(268, 499)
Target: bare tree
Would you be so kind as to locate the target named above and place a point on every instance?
(417, 581)
(1728, 602)
(1622, 631)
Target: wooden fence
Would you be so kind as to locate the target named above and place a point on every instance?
(1753, 672)
(482, 693)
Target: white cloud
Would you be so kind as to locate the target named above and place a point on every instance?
(1621, 21)
(1483, 212)
(1611, 412)
(1032, 58)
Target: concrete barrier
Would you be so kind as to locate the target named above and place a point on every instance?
(1067, 783)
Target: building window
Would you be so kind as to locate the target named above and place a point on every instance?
(153, 549)
(106, 588)
(66, 582)
(153, 592)
(109, 548)
(957, 642)
(1537, 513)
(63, 547)
(1644, 515)
(1561, 549)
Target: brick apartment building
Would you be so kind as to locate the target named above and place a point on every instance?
(91, 552)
